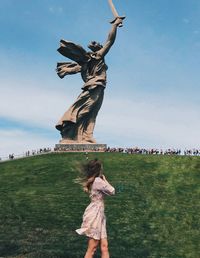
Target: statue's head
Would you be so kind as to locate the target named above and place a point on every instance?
(94, 46)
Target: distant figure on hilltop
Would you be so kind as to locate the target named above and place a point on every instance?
(77, 123)
(94, 220)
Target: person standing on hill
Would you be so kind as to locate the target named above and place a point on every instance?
(94, 220)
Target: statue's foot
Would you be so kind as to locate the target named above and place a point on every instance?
(68, 141)
(88, 141)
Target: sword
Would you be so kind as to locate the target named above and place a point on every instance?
(115, 13)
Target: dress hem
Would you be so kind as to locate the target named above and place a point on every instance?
(80, 232)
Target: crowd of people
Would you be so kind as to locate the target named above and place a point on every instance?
(135, 150)
(77, 149)
(36, 152)
(152, 151)
(194, 152)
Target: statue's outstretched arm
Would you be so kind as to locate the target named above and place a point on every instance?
(66, 68)
(111, 38)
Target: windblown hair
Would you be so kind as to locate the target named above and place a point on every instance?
(88, 173)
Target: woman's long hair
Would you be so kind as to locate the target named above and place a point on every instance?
(88, 173)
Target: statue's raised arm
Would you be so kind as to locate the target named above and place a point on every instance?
(111, 37)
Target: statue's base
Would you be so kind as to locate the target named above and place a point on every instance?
(81, 147)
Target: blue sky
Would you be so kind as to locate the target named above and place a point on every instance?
(152, 97)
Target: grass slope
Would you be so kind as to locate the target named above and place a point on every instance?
(155, 212)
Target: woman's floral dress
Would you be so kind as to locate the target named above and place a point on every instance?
(94, 220)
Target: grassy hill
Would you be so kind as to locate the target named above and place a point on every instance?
(155, 213)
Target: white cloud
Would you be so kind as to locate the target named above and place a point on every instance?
(150, 124)
(34, 105)
(19, 141)
(144, 121)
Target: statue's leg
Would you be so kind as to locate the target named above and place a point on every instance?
(68, 125)
(96, 99)
(88, 131)
(77, 124)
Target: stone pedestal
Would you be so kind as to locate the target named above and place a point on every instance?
(79, 147)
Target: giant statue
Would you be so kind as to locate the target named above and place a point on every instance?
(77, 123)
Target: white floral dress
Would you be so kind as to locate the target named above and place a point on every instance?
(94, 220)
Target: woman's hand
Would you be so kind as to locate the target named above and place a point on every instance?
(104, 178)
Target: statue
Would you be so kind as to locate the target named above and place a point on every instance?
(77, 123)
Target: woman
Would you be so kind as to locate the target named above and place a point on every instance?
(94, 221)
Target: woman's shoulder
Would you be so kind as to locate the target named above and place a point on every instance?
(98, 178)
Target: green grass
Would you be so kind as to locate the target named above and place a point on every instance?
(154, 214)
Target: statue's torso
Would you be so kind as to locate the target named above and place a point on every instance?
(93, 72)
